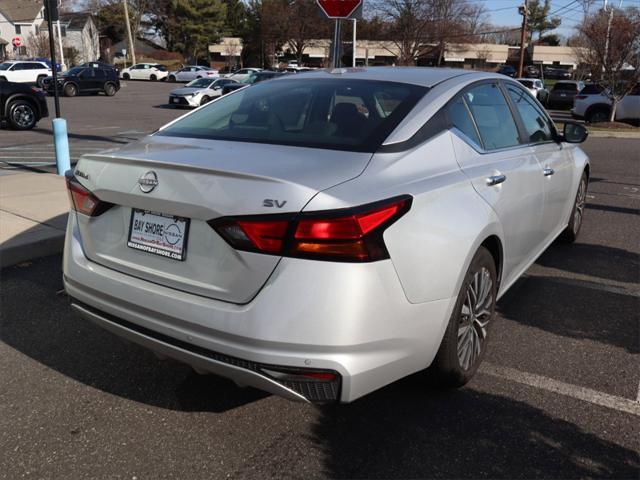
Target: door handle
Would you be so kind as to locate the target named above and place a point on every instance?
(496, 180)
(549, 171)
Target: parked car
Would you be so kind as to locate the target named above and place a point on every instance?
(322, 235)
(188, 73)
(242, 74)
(198, 92)
(536, 88)
(24, 72)
(98, 64)
(85, 80)
(533, 71)
(595, 106)
(507, 70)
(254, 77)
(563, 93)
(22, 106)
(145, 71)
(557, 73)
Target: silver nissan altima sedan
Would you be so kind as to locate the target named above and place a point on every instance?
(321, 236)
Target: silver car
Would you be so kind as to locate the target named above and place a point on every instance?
(321, 236)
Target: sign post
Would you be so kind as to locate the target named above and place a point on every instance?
(339, 10)
(60, 137)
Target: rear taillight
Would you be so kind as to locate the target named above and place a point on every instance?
(82, 200)
(350, 235)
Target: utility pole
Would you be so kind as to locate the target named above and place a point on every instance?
(130, 38)
(524, 11)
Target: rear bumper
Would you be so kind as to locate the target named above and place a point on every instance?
(350, 319)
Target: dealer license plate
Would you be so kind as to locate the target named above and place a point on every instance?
(159, 234)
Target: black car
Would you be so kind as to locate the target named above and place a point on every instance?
(85, 80)
(22, 105)
(507, 70)
(254, 77)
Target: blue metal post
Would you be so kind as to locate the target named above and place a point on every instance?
(61, 142)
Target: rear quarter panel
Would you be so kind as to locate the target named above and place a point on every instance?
(432, 245)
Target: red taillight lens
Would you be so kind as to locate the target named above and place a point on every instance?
(82, 200)
(342, 235)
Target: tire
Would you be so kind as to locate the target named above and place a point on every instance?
(172, 78)
(22, 115)
(572, 231)
(465, 340)
(126, 76)
(597, 115)
(204, 100)
(3, 79)
(110, 89)
(153, 78)
(70, 90)
(39, 80)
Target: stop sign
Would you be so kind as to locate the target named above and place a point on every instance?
(16, 42)
(339, 8)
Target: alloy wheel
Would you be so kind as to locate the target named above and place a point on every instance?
(474, 318)
(23, 116)
(581, 199)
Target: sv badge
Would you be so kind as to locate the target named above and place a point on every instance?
(269, 203)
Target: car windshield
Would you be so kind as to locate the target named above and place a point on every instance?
(526, 83)
(339, 114)
(5, 66)
(199, 83)
(570, 87)
(74, 71)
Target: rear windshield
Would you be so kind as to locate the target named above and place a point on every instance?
(527, 83)
(591, 89)
(571, 87)
(339, 114)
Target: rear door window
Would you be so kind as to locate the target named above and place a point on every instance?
(492, 116)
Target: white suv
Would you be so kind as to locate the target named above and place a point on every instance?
(24, 72)
(596, 107)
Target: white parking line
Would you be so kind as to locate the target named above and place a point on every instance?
(574, 391)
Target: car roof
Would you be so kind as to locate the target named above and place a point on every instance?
(529, 79)
(422, 76)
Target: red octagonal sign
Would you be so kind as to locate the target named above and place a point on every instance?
(339, 8)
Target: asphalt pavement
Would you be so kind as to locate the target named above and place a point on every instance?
(557, 397)
(94, 123)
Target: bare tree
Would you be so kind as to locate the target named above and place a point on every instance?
(38, 45)
(612, 46)
(408, 26)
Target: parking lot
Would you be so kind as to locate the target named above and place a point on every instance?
(557, 397)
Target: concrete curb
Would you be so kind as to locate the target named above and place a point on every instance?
(614, 134)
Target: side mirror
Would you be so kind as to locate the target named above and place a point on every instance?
(217, 87)
(574, 133)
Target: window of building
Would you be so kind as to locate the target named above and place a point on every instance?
(18, 29)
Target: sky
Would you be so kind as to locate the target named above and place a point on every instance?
(505, 12)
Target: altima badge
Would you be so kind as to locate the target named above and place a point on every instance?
(148, 182)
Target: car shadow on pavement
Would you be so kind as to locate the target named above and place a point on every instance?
(579, 308)
(36, 320)
(607, 263)
(408, 430)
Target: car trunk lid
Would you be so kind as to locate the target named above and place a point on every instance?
(201, 180)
